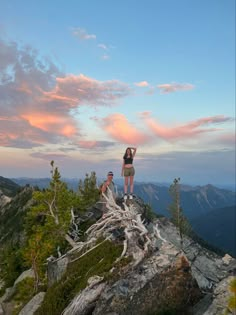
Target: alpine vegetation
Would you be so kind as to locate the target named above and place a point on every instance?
(86, 253)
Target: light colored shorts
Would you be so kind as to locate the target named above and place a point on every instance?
(129, 171)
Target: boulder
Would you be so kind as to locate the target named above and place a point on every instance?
(33, 304)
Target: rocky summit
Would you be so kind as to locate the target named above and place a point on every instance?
(129, 263)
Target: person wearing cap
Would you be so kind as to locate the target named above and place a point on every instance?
(109, 183)
(101, 205)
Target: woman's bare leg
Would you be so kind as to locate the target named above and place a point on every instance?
(131, 184)
(126, 184)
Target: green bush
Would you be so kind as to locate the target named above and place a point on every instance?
(11, 264)
(23, 294)
(97, 262)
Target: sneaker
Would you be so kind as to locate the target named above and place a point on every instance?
(125, 196)
(130, 196)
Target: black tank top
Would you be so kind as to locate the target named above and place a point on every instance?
(128, 160)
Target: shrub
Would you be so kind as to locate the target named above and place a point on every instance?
(97, 262)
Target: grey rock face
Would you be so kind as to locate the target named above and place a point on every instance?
(220, 298)
(3, 199)
(173, 275)
(151, 287)
(207, 267)
(56, 270)
(33, 304)
(1, 310)
(26, 274)
(182, 276)
(84, 303)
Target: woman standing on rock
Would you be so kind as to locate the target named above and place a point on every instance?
(128, 171)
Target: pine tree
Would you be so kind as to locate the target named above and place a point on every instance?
(176, 211)
(48, 222)
(88, 191)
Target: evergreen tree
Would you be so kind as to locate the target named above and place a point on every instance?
(48, 222)
(88, 191)
(10, 264)
(176, 211)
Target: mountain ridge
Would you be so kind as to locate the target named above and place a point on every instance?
(172, 270)
(196, 201)
(22, 181)
(8, 187)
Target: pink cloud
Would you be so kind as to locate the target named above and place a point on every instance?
(185, 131)
(19, 133)
(142, 84)
(117, 126)
(175, 87)
(40, 98)
(82, 34)
(78, 90)
(51, 123)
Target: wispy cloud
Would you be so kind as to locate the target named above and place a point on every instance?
(174, 87)
(185, 131)
(82, 34)
(86, 144)
(103, 46)
(142, 84)
(118, 127)
(105, 57)
(80, 90)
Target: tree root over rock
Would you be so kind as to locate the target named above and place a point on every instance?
(136, 241)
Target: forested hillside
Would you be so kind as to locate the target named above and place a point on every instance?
(218, 228)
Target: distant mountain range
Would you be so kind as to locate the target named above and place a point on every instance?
(195, 201)
(210, 210)
(73, 183)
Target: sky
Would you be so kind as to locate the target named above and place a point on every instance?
(80, 81)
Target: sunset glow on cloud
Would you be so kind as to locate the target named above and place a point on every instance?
(78, 90)
(118, 127)
(40, 100)
(142, 84)
(184, 131)
(73, 85)
(59, 125)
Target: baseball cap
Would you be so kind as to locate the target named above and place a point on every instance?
(110, 173)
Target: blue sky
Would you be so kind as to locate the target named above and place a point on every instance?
(82, 80)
